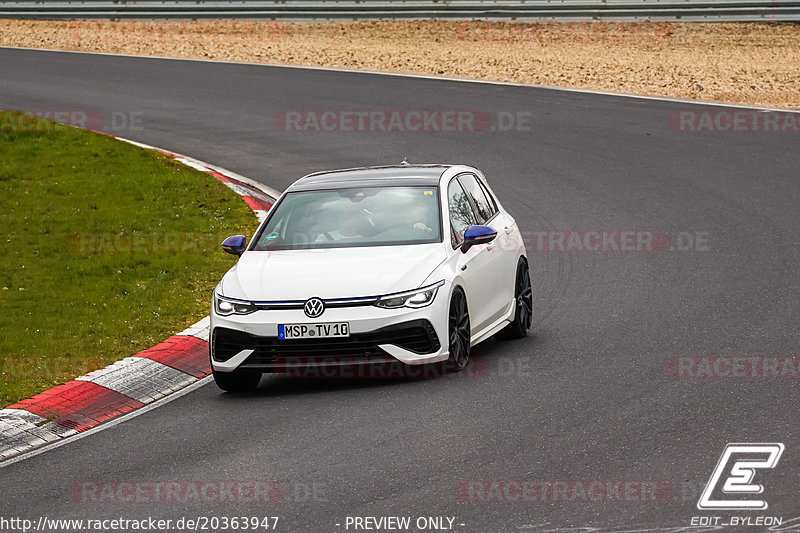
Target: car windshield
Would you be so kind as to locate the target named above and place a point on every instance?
(351, 217)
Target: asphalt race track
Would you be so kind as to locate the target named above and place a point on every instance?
(590, 395)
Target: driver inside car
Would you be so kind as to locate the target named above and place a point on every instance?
(349, 218)
(420, 214)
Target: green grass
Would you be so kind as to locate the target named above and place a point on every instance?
(107, 249)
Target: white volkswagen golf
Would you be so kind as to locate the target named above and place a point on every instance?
(405, 264)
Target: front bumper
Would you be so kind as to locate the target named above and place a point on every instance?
(411, 336)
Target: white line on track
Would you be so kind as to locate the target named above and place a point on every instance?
(429, 77)
(110, 423)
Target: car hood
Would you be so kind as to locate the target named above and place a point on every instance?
(331, 272)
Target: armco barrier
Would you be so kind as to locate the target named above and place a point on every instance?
(690, 10)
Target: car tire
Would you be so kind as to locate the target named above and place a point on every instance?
(459, 332)
(237, 381)
(523, 300)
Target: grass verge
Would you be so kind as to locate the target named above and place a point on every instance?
(107, 249)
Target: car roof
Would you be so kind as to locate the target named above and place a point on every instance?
(395, 175)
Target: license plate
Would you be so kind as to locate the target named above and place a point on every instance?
(314, 331)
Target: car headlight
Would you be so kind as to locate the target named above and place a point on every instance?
(228, 306)
(416, 298)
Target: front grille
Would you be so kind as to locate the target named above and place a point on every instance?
(329, 303)
(417, 336)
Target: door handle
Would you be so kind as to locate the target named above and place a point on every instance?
(508, 229)
(463, 268)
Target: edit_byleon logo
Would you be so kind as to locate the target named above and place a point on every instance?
(731, 486)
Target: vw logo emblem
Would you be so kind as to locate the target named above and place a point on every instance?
(314, 307)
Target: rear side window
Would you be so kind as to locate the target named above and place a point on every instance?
(461, 214)
(483, 206)
(492, 201)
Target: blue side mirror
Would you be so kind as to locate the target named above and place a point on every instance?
(235, 244)
(477, 235)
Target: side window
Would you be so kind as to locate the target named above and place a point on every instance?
(482, 205)
(492, 201)
(461, 214)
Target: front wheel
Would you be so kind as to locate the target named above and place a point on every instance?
(238, 380)
(523, 301)
(459, 329)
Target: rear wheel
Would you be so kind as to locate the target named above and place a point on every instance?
(238, 380)
(459, 329)
(523, 301)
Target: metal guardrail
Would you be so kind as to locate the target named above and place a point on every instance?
(693, 10)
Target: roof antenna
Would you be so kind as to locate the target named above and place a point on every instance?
(404, 162)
